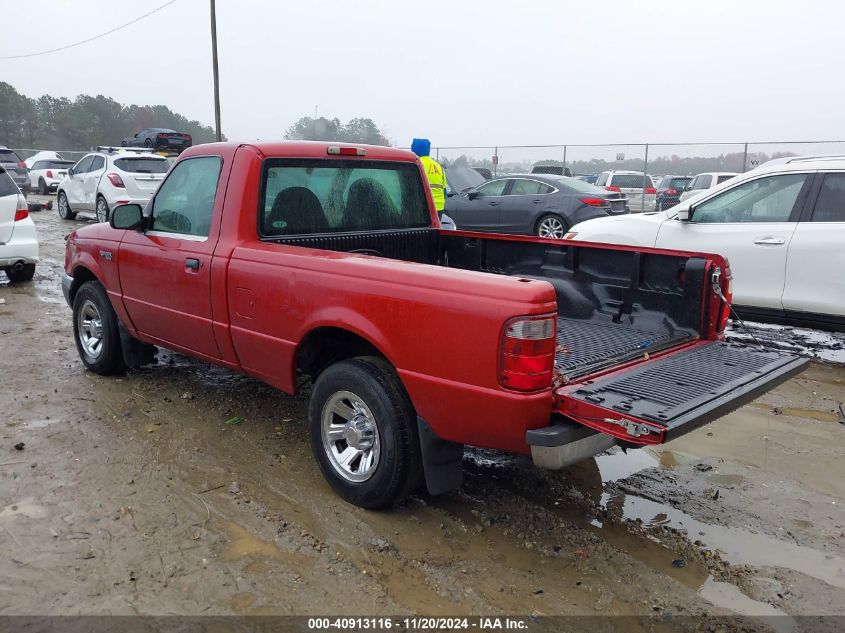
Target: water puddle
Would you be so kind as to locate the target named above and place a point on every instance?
(728, 596)
(242, 544)
(27, 508)
(796, 412)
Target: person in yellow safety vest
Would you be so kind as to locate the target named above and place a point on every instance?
(436, 176)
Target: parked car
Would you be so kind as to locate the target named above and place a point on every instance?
(531, 204)
(15, 168)
(160, 139)
(42, 155)
(635, 185)
(282, 260)
(553, 170)
(669, 191)
(781, 227)
(104, 179)
(589, 178)
(702, 182)
(18, 239)
(45, 174)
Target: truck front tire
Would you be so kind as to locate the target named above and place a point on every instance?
(95, 330)
(363, 432)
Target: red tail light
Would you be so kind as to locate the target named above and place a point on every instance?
(49, 173)
(21, 164)
(593, 202)
(22, 210)
(528, 353)
(671, 192)
(650, 190)
(162, 135)
(116, 180)
(186, 137)
(609, 188)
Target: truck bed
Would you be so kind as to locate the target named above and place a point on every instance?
(585, 346)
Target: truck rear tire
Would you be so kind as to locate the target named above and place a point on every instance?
(95, 330)
(363, 432)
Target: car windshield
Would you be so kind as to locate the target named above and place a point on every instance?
(463, 178)
(630, 181)
(678, 183)
(142, 165)
(8, 156)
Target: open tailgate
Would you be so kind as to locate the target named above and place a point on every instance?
(656, 400)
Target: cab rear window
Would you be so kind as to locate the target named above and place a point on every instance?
(332, 196)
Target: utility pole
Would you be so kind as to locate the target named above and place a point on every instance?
(216, 74)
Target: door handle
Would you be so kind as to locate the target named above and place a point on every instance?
(538, 201)
(192, 263)
(493, 203)
(776, 241)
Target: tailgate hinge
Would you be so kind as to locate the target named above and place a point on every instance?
(634, 429)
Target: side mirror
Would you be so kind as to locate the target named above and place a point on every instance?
(684, 216)
(687, 188)
(449, 192)
(70, 171)
(472, 195)
(127, 216)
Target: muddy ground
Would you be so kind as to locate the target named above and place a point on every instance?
(132, 495)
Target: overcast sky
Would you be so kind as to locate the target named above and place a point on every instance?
(461, 72)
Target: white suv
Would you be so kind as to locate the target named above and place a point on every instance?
(703, 182)
(109, 177)
(782, 228)
(635, 184)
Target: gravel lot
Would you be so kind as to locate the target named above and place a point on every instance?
(132, 496)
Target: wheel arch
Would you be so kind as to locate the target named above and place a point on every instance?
(81, 275)
(324, 345)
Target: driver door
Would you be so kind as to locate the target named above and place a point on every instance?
(752, 225)
(165, 272)
(73, 189)
(483, 212)
(90, 181)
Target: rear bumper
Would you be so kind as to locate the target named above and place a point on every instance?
(565, 443)
(22, 246)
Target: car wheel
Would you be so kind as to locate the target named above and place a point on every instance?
(148, 143)
(363, 432)
(551, 226)
(42, 187)
(102, 209)
(95, 330)
(65, 212)
(24, 274)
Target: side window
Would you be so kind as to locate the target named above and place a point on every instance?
(185, 201)
(602, 181)
(493, 188)
(522, 187)
(723, 178)
(703, 181)
(41, 164)
(769, 199)
(830, 205)
(98, 163)
(84, 165)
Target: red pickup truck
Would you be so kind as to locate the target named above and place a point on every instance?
(290, 261)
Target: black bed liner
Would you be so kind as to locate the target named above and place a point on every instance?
(585, 346)
(693, 386)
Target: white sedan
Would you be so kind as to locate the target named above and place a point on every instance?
(782, 228)
(107, 178)
(18, 240)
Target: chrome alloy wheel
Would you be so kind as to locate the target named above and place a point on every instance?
(350, 436)
(89, 328)
(551, 227)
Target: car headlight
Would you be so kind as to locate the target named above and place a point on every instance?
(571, 235)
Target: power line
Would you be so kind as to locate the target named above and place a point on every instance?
(90, 39)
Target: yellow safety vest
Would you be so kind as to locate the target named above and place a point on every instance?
(436, 180)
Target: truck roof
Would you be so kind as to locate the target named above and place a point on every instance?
(309, 149)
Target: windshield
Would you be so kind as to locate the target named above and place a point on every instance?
(630, 181)
(677, 183)
(142, 165)
(8, 156)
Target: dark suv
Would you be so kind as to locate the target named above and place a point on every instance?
(669, 191)
(15, 167)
